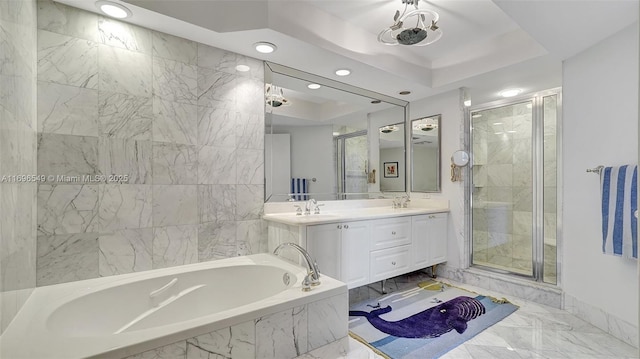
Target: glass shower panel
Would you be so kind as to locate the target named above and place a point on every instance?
(502, 192)
(550, 188)
(351, 156)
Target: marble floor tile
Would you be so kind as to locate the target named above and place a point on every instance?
(533, 331)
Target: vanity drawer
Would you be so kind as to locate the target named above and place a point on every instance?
(392, 232)
(387, 263)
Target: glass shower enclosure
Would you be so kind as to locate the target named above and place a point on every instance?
(514, 206)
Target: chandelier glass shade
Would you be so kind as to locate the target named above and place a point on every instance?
(417, 27)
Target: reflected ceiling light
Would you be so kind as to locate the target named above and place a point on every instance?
(275, 97)
(388, 129)
(426, 124)
(265, 47)
(413, 27)
(404, 93)
(476, 115)
(243, 68)
(336, 133)
(467, 103)
(313, 86)
(113, 9)
(510, 92)
(529, 105)
(343, 72)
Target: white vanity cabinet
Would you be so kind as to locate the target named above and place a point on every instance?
(339, 247)
(429, 233)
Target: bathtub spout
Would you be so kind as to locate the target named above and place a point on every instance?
(313, 274)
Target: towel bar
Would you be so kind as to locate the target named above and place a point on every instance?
(595, 170)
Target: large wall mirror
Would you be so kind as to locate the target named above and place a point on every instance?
(323, 138)
(425, 154)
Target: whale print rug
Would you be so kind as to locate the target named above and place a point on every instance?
(424, 322)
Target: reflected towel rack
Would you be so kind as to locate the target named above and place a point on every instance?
(595, 170)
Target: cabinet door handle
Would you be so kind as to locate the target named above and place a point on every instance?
(393, 263)
(346, 226)
(339, 226)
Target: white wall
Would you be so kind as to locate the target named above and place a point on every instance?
(452, 130)
(312, 155)
(600, 127)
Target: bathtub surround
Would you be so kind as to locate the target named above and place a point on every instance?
(172, 119)
(18, 127)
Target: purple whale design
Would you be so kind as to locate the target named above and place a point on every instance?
(430, 323)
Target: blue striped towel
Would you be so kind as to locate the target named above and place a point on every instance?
(299, 189)
(619, 189)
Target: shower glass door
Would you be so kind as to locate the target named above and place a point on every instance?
(513, 193)
(351, 157)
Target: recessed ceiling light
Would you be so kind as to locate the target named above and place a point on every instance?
(265, 47)
(313, 86)
(467, 103)
(510, 92)
(243, 68)
(336, 133)
(476, 115)
(343, 72)
(376, 101)
(113, 9)
(404, 93)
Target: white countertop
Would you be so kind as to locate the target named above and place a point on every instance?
(354, 214)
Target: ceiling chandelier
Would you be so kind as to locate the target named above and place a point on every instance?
(388, 129)
(426, 124)
(413, 27)
(275, 97)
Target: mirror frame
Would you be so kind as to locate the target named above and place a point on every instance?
(273, 68)
(438, 156)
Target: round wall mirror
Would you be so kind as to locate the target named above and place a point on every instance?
(460, 158)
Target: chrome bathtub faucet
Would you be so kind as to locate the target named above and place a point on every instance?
(312, 278)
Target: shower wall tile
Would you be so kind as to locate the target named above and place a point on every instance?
(217, 203)
(124, 71)
(217, 165)
(500, 175)
(124, 157)
(522, 198)
(174, 164)
(174, 48)
(217, 240)
(175, 245)
(67, 209)
(249, 238)
(175, 81)
(237, 341)
(125, 207)
(66, 20)
(125, 116)
(522, 223)
(328, 320)
(276, 340)
(249, 131)
(125, 251)
(523, 174)
(67, 110)
(175, 204)
(123, 35)
(217, 59)
(67, 257)
(250, 166)
(67, 155)
(174, 122)
(216, 127)
(550, 199)
(67, 60)
(250, 202)
(216, 89)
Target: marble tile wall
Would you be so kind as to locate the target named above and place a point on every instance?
(18, 136)
(283, 335)
(154, 145)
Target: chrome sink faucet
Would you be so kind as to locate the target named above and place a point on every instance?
(308, 204)
(313, 274)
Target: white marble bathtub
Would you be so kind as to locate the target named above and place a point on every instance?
(119, 316)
